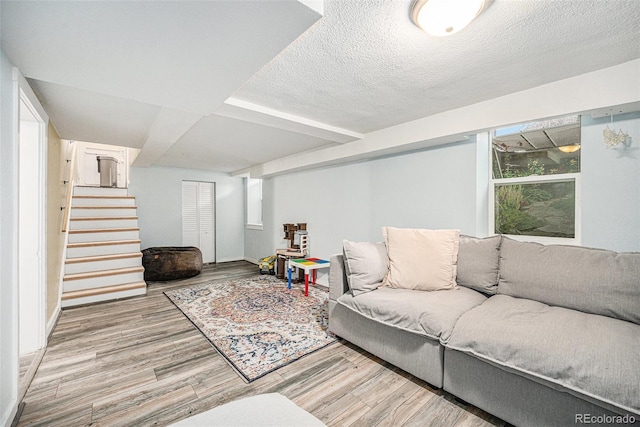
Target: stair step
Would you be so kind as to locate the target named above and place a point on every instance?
(105, 243)
(103, 273)
(103, 290)
(101, 196)
(103, 258)
(104, 218)
(99, 279)
(78, 201)
(102, 211)
(103, 222)
(103, 207)
(98, 191)
(100, 262)
(103, 230)
(107, 247)
(86, 296)
(103, 234)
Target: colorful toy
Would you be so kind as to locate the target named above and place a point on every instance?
(267, 265)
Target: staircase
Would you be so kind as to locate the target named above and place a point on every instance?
(103, 258)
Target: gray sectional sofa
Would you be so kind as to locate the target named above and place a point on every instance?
(535, 335)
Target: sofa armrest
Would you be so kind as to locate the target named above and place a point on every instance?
(337, 277)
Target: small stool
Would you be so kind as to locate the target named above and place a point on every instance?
(306, 264)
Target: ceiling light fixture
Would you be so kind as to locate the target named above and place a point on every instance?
(569, 148)
(445, 17)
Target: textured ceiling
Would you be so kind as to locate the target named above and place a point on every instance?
(365, 66)
(226, 85)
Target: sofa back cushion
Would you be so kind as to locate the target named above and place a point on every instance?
(421, 259)
(366, 265)
(478, 261)
(591, 280)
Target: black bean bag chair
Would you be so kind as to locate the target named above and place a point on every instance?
(171, 262)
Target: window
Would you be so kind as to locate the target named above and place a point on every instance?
(254, 203)
(536, 180)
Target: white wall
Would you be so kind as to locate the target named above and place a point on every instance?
(334, 202)
(444, 187)
(435, 188)
(158, 193)
(430, 189)
(57, 153)
(8, 244)
(611, 185)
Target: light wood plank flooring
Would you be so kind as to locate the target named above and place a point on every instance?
(140, 362)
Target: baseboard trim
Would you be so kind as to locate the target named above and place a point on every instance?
(252, 261)
(18, 414)
(53, 321)
(221, 260)
(12, 415)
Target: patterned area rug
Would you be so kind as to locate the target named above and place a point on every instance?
(257, 324)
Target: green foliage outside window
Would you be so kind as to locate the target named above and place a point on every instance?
(544, 209)
(511, 216)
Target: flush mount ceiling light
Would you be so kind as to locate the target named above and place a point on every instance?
(445, 17)
(569, 148)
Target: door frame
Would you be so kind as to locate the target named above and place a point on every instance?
(13, 89)
(24, 94)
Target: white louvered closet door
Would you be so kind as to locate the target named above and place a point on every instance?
(198, 217)
(206, 218)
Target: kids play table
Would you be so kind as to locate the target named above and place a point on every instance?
(307, 264)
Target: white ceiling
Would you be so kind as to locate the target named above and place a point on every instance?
(225, 85)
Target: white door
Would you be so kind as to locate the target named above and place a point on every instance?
(198, 217)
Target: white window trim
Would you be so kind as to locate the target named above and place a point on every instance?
(576, 177)
(252, 225)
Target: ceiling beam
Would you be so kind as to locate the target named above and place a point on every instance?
(254, 113)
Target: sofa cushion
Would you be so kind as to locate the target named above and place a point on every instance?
(590, 280)
(431, 314)
(366, 265)
(478, 261)
(421, 259)
(588, 355)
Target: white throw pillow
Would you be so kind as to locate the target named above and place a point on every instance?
(421, 259)
(365, 265)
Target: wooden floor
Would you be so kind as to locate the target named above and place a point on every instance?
(139, 362)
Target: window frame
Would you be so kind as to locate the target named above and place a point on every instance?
(250, 201)
(536, 179)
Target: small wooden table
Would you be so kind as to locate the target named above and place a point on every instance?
(307, 264)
